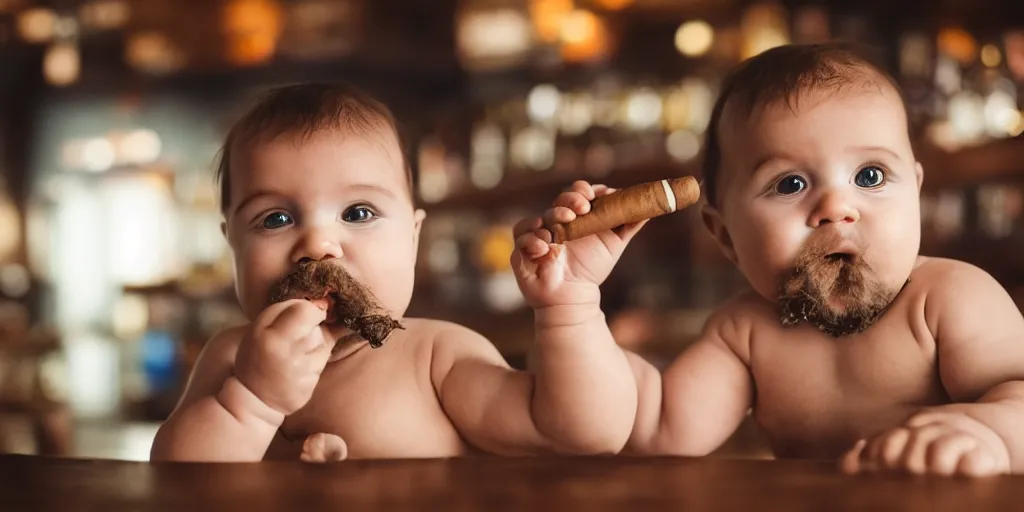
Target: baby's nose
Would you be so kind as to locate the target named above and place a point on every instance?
(316, 245)
(833, 207)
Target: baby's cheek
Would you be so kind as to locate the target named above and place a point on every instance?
(391, 280)
(895, 260)
(255, 280)
(768, 256)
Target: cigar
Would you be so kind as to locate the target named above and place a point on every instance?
(629, 205)
(348, 301)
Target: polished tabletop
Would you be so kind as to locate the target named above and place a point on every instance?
(534, 484)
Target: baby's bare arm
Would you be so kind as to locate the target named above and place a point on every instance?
(980, 341)
(700, 400)
(579, 397)
(217, 418)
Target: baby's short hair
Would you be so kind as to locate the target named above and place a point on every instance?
(782, 74)
(304, 110)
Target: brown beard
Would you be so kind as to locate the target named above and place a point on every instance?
(837, 293)
(349, 302)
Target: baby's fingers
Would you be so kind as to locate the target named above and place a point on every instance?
(585, 189)
(573, 201)
(527, 225)
(977, 463)
(558, 215)
(851, 461)
(945, 453)
(531, 245)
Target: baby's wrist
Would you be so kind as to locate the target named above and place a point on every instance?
(241, 402)
(570, 295)
(567, 315)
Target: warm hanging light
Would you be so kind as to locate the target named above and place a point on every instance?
(492, 38)
(252, 29)
(37, 25)
(584, 36)
(62, 64)
(958, 44)
(763, 27)
(153, 52)
(547, 17)
(990, 55)
(105, 14)
(694, 38)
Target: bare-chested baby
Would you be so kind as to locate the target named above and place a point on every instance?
(318, 210)
(850, 346)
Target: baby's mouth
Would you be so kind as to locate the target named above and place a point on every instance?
(841, 257)
(326, 303)
(347, 303)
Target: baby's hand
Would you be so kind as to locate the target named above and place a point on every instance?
(554, 275)
(933, 442)
(324, 448)
(284, 352)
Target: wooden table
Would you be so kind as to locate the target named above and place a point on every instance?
(532, 484)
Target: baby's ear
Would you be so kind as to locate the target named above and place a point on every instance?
(713, 223)
(920, 175)
(417, 218)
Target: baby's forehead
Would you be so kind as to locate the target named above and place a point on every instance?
(751, 110)
(864, 116)
(372, 158)
(377, 143)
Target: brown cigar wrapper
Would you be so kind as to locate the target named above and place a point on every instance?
(629, 205)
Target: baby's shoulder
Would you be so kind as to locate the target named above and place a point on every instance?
(738, 318)
(449, 343)
(437, 331)
(446, 336)
(932, 271)
(937, 277)
(956, 289)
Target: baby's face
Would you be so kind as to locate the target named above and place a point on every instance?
(837, 162)
(341, 197)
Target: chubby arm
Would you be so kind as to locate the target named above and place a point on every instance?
(700, 400)
(217, 419)
(578, 398)
(980, 341)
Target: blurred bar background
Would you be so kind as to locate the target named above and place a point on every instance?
(113, 271)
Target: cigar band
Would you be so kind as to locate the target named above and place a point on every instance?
(669, 195)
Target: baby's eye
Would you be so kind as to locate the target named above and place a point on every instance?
(358, 214)
(870, 177)
(277, 220)
(790, 185)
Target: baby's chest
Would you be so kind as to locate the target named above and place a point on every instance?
(379, 414)
(810, 386)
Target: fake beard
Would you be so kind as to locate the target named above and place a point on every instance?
(837, 293)
(349, 302)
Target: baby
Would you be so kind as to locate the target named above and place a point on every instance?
(315, 190)
(850, 345)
